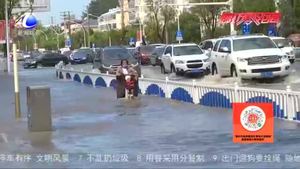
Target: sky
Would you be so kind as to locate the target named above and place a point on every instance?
(57, 6)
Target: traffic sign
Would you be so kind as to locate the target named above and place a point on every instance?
(179, 36)
(68, 43)
(246, 29)
(132, 41)
(272, 30)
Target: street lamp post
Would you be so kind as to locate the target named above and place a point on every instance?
(88, 31)
(178, 24)
(34, 37)
(57, 37)
(7, 37)
(82, 27)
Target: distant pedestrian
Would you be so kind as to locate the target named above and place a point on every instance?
(127, 79)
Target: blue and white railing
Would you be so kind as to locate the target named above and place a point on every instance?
(286, 103)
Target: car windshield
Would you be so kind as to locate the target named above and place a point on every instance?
(284, 42)
(159, 51)
(253, 43)
(147, 49)
(187, 50)
(114, 56)
(80, 54)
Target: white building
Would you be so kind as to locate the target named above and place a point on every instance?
(110, 20)
(135, 11)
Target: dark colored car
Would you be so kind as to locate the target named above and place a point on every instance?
(143, 54)
(47, 59)
(82, 56)
(109, 58)
(31, 62)
(156, 56)
(131, 51)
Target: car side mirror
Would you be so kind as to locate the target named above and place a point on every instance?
(225, 50)
(280, 45)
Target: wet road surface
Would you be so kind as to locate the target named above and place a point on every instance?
(90, 120)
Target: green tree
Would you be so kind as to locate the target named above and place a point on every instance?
(161, 16)
(209, 15)
(190, 26)
(99, 7)
(290, 11)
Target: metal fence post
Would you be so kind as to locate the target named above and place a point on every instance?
(168, 94)
(289, 104)
(236, 92)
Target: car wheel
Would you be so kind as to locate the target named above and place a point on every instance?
(292, 61)
(162, 68)
(173, 70)
(214, 70)
(233, 71)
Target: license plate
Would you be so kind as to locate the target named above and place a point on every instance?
(197, 70)
(267, 74)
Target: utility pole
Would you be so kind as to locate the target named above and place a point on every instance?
(88, 22)
(141, 13)
(122, 20)
(52, 20)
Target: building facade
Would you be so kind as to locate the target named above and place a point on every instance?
(134, 11)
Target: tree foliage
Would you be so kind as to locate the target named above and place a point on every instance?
(99, 7)
(161, 16)
(209, 15)
(290, 17)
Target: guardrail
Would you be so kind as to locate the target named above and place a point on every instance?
(286, 102)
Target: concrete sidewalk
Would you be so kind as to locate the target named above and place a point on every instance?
(89, 122)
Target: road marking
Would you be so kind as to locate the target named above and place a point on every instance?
(4, 137)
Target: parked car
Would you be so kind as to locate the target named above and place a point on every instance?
(288, 47)
(143, 54)
(185, 58)
(131, 50)
(46, 59)
(156, 55)
(247, 57)
(19, 56)
(207, 46)
(110, 58)
(295, 38)
(26, 55)
(157, 44)
(31, 61)
(83, 55)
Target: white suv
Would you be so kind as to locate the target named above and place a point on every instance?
(253, 56)
(184, 58)
(286, 46)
